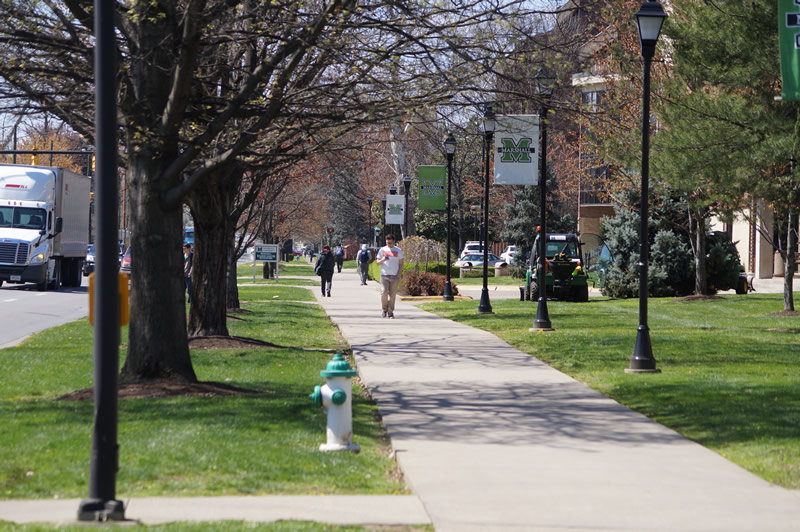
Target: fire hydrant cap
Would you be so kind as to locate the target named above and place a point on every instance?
(317, 396)
(338, 367)
(339, 397)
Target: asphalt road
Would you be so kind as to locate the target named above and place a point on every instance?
(24, 310)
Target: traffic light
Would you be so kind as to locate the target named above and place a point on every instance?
(93, 163)
(330, 229)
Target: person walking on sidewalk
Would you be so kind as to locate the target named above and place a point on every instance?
(188, 259)
(363, 260)
(338, 254)
(324, 268)
(390, 258)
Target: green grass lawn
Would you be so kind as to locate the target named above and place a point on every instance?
(244, 271)
(730, 369)
(262, 443)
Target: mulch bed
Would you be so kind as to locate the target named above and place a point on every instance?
(228, 342)
(164, 388)
(696, 297)
(171, 388)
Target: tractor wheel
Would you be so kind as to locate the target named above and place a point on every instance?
(534, 292)
(580, 294)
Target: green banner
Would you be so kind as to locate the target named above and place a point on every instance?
(432, 188)
(789, 42)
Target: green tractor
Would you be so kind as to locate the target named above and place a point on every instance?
(565, 277)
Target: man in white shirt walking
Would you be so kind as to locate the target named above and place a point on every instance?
(390, 259)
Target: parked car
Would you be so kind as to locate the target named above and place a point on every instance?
(476, 260)
(88, 264)
(472, 247)
(508, 253)
(125, 265)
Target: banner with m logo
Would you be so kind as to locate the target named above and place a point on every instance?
(516, 159)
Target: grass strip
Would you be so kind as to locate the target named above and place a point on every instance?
(261, 443)
(730, 376)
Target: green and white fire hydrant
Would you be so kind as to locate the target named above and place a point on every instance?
(336, 398)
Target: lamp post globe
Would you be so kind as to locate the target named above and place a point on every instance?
(449, 150)
(485, 306)
(649, 20)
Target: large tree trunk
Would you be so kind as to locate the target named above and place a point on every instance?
(211, 202)
(697, 225)
(157, 344)
(788, 264)
(700, 275)
(232, 286)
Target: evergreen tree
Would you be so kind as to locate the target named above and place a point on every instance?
(724, 138)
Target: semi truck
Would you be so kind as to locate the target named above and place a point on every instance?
(44, 225)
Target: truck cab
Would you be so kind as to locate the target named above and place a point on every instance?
(44, 220)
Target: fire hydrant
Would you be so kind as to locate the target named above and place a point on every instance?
(336, 397)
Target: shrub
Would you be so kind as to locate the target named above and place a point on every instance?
(426, 284)
(722, 263)
(671, 265)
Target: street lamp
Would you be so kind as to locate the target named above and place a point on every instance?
(369, 202)
(406, 189)
(383, 210)
(392, 192)
(649, 20)
(544, 87)
(485, 307)
(449, 149)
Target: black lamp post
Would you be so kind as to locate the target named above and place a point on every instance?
(392, 192)
(485, 307)
(369, 215)
(649, 20)
(383, 210)
(449, 149)
(406, 190)
(544, 87)
(102, 504)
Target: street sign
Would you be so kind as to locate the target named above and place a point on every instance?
(266, 252)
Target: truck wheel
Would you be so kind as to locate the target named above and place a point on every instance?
(56, 282)
(74, 276)
(741, 285)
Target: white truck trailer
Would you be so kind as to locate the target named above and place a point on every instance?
(44, 225)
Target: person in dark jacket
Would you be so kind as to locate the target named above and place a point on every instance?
(324, 268)
(188, 258)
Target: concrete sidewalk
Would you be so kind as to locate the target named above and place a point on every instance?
(492, 439)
